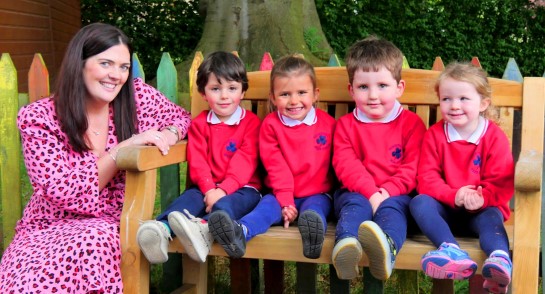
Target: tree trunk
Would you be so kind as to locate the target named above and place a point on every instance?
(253, 27)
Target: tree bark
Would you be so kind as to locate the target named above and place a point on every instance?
(253, 27)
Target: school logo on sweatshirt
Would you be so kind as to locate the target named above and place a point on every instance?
(475, 166)
(230, 148)
(396, 153)
(322, 141)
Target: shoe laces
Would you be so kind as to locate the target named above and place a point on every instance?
(391, 243)
(163, 229)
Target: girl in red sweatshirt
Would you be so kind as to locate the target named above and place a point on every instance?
(465, 180)
(295, 143)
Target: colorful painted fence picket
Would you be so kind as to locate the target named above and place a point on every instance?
(12, 171)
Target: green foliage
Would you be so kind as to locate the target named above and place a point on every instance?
(493, 30)
(314, 40)
(155, 26)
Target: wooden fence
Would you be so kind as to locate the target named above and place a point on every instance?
(13, 177)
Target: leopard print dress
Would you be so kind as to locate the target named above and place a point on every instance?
(68, 238)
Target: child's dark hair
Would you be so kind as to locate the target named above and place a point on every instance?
(370, 54)
(223, 65)
(292, 65)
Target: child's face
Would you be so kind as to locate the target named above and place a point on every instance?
(375, 93)
(294, 95)
(223, 98)
(460, 105)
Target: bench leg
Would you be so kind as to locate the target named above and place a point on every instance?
(370, 284)
(476, 285)
(442, 286)
(241, 278)
(195, 273)
(273, 271)
(306, 277)
(336, 285)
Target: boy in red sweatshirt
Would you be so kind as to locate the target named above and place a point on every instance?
(222, 155)
(295, 144)
(376, 151)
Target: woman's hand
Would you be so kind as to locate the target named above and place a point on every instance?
(162, 139)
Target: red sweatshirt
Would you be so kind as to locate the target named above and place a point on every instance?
(298, 158)
(224, 156)
(445, 167)
(372, 155)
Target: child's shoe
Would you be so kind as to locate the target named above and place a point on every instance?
(311, 228)
(228, 233)
(497, 272)
(448, 262)
(346, 256)
(379, 248)
(193, 233)
(153, 237)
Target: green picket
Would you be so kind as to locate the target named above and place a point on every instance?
(137, 69)
(10, 149)
(169, 181)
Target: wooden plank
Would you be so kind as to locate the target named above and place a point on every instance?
(512, 71)
(528, 202)
(139, 201)
(337, 285)
(438, 64)
(333, 60)
(442, 286)
(272, 269)
(423, 111)
(340, 110)
(267, 62)
(476, 285)
(10, 149)
(419, 87)
(241, 279)
(38, 79)
(370, 284)
(197, 103)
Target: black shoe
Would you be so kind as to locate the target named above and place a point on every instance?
(312, 232)
(228, 233)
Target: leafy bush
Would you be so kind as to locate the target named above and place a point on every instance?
(493, 30)
(155, 26)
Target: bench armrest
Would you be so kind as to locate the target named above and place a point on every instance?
(528, 171)
(141, 164)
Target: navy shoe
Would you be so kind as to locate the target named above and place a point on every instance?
(228, 233)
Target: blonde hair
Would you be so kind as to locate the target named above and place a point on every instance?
(467, 72)
(370, 54)
(288, 66)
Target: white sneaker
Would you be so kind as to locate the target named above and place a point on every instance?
(192, 233)
(153, 237)
(346, 257)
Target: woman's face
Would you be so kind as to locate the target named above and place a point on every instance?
(105, 73)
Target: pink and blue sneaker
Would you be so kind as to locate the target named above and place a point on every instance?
(497, 272)
(448, 262)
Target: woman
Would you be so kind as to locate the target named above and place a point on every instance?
(68, 238)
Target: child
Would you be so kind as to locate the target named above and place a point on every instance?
(376, 151)
(295, 146)
(222, 155)
(465, 180)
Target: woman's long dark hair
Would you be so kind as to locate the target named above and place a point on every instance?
(71, 94)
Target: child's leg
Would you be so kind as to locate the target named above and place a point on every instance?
(351, 209)
(312, 222)
(153, 236)
(233, 235)
(432, 218)
(239, 203)
(497, 268)
(191, 199)
(448, 261)
(382, 238)
(183, 216)
(221, 222)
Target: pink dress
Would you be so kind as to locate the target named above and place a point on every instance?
(68, 238)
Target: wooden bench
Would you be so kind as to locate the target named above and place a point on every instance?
(511, 98)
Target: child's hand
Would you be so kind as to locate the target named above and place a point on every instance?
(211, 197)
(289, 214)
(376, 199)
(475, 200)
(461, 194)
